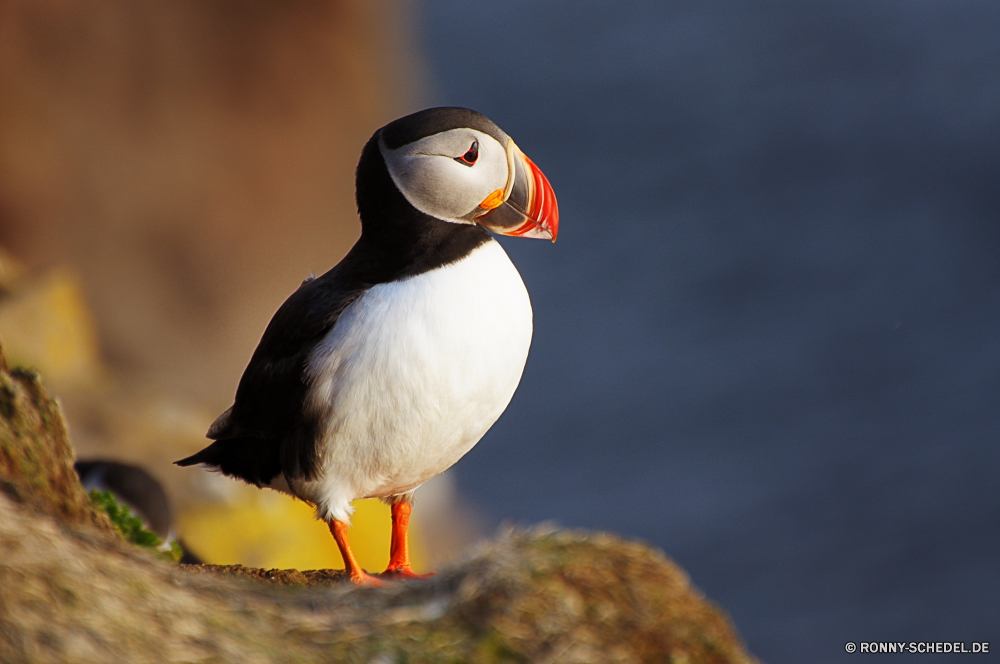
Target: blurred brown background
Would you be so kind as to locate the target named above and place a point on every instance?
(169, 173)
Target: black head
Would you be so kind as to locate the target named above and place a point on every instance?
(430, 121)
(428, 183)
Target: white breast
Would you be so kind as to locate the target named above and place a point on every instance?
(412, 375)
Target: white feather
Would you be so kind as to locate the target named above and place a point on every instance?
(412, 375)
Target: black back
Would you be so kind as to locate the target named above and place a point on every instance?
(266, 432)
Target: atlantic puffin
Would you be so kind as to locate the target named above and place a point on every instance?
(384, 371)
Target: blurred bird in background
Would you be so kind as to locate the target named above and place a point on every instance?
(139, 491)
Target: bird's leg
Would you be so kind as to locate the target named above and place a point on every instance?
(399, 548)
(354, 572)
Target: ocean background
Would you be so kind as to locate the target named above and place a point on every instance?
(768, 338)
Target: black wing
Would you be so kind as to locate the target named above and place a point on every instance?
(265, 432)
(269, 398)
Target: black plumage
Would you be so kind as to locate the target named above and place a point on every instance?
(432, 121)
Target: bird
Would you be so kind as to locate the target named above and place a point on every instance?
(384, 371)
(139, 491)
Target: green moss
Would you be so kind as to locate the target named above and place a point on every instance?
(131, 527)
(494, 647)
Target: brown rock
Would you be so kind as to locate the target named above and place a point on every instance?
(71, 590)
(36, 459)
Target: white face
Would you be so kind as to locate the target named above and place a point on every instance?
(434, 178)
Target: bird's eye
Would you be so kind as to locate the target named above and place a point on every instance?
(470, 156)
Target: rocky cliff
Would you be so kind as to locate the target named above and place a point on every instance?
(72, 590)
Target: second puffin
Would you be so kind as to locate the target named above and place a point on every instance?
(386, 370)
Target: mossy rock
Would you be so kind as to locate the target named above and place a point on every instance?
(535, 595)
(76, 592)
(36, 458)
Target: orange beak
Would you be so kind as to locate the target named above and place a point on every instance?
(527, 207)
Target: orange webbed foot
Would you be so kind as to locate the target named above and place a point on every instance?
(355, 574)
(399, 548)
(397, 573)
(364, 579)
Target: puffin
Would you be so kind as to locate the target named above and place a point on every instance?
(387, 369)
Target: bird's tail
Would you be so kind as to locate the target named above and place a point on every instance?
(253, 460)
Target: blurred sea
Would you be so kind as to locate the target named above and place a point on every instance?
(768, 339)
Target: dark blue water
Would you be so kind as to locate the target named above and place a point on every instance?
(768, 339)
